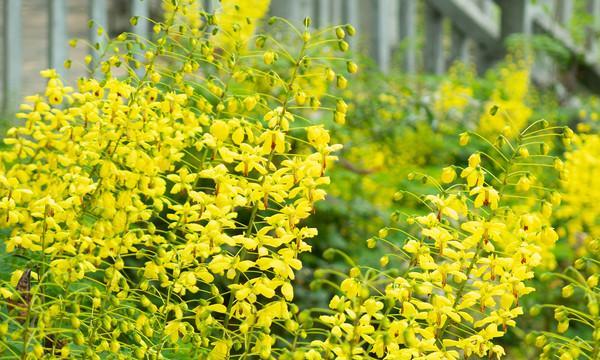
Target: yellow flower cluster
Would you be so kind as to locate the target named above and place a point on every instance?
(463, 269)
(580, 283)
(185, 12)
(162, 213)
(452, 95)
(237, 20)
(509, 97)
(580, 209)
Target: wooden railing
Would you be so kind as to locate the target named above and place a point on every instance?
(406, 34)
(411, 34)
(56, 10)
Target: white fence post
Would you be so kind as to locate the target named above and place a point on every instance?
(434, 51)
(564, 12)
(408, 31)
(57, 34)
(141, 9)
(593, 31)
(460, 46)
(515, 18)
(294, 11)
(485, 6)
(209, 6)
(383, 50)
(336, 11)
(99, 14)
(323, 13)
(11, 27)
(350, 16)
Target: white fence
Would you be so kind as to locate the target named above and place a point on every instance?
(478, 29)
(57, 39)
(388, 31)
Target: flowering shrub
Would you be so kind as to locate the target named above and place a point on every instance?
(452, 285)
(581, 191)
(577, 332)
(410, 126)
(510, 94)
(162, 214)
(166, 205)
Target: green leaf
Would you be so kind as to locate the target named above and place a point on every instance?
(494, 110)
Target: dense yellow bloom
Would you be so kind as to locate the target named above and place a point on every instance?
(452, 97)
(168, 206)
(468, 267)
(580, 206)
(238, 19)
(510, 98)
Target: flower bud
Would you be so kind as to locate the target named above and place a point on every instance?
(560, 314)
(592, 280)
(342, 82)
(339, 117)
(530, 338)
(155, 77)
(384, 260)
(474, 160)
(351, 67)
(371, 243)
(250, 103)
(314, 102)
(463, 139)
(593, 307)
(340, 33)
(350, 30)
(555, 198)
(546, 209)
(448, 174)
(269, 57)
(329, 74)
(300, 97)
(568, 133)
(329, 254)
(579, 264)
(354, 272)
(260, 41)
(139, 353)
(119, 263)
(540, 341)
(306, 36)
(558, 164)
(523, 152)
(398, 195)
(524, 184)
(75, 322)
(568, 291)
(563, 326)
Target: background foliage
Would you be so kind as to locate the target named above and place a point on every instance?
(181, 213)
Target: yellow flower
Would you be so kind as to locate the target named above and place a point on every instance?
(474, 160)
(474, 176)
(486, 196)
(524, 183)
(448, 174)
